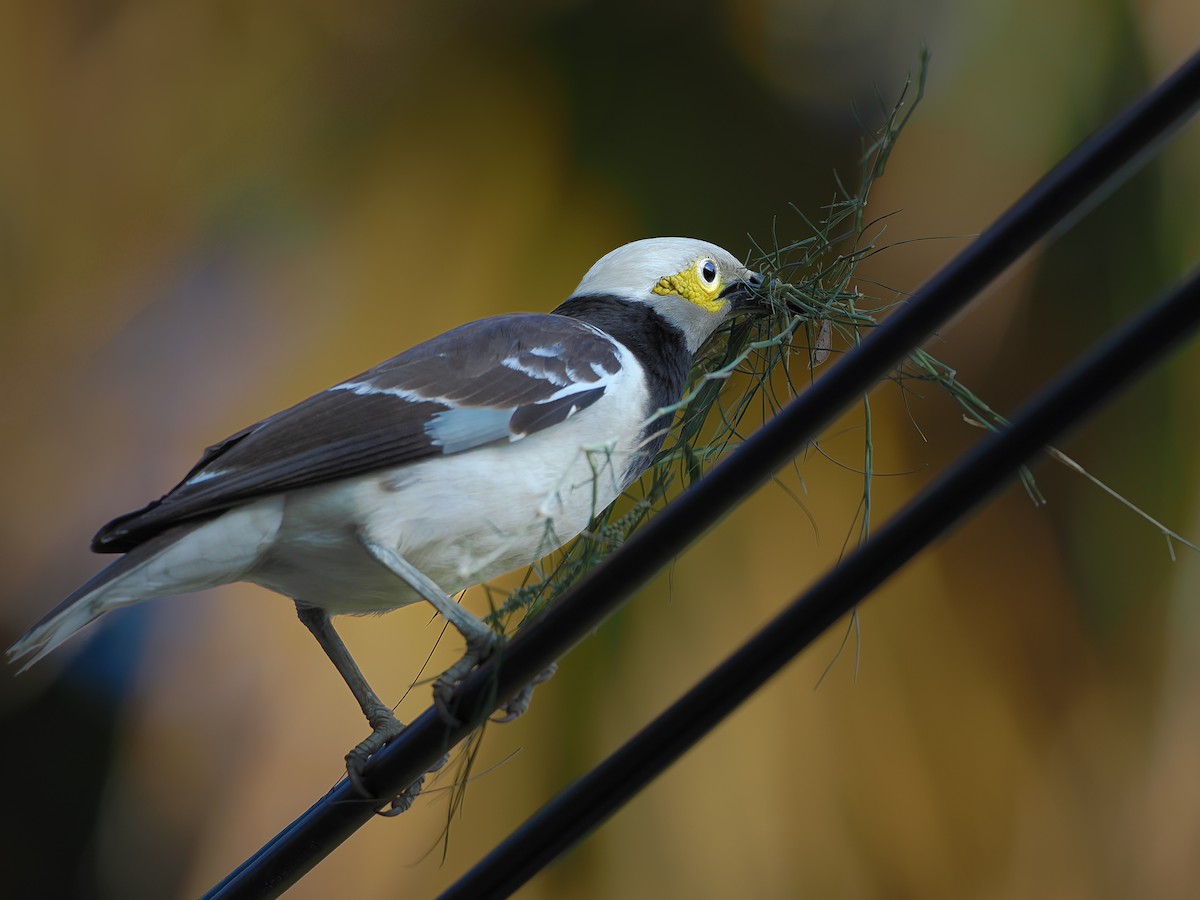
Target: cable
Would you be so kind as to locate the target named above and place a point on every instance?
(1110, 153)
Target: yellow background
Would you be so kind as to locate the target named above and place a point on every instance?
(211, 210)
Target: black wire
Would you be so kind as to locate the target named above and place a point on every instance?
(1109, 153)
(583, 806)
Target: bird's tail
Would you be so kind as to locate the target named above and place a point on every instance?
(82, 607)
(146, 571)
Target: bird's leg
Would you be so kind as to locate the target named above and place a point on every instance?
(384, 724)
(481, 641)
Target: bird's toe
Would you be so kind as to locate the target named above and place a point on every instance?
(385, 727)
(519, 705)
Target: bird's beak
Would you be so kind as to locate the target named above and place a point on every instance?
(745, 295)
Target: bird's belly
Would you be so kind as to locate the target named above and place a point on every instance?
(460, 519)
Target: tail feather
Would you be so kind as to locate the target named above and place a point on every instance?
(79, 609)
(108, 589)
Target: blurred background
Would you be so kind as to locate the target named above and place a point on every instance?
(209, 211)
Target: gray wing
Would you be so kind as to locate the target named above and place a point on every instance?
(492, 380)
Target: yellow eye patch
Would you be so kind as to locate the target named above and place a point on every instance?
(690, 285)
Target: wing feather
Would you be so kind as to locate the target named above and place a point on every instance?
(495, 379)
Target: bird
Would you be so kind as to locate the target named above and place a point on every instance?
(469, 455)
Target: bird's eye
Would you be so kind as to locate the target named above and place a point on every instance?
(708, 271)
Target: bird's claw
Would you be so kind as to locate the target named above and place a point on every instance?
(404, 801)
(519, 704)
(479, 649)
(386, 727)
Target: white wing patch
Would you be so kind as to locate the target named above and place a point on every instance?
(541, 374)
(366, 388)
(205, 475)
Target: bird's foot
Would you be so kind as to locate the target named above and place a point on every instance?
(385, 727)
(480, 647)
(405, 800)
(518, 705)
(445, 686)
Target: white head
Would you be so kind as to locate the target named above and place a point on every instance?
(692, 284)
